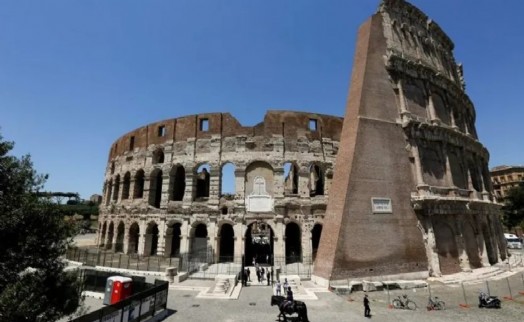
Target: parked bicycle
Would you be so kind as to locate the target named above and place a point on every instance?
(404, 303)
(435, 304)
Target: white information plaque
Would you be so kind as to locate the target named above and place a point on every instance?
(381, 205)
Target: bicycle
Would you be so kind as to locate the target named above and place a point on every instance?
(404, 303)
(435, 304)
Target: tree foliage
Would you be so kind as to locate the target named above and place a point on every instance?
(33, 284)
(514, 207)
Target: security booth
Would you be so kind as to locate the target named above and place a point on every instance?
(117, 289)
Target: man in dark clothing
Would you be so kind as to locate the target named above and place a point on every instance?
(248, 272)
(367, 310)
(268, 275)
(271, 275)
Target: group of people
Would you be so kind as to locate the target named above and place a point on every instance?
(263, 274)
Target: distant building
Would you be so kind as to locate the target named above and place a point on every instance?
(97, 199)
(504, 178)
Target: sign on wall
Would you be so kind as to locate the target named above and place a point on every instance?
(259, 200)
(381, 205)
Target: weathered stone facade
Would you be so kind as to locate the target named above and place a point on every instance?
(160, 198)
(413, 191)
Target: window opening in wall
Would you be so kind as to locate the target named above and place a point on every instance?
(132, 143)
(312, 124)
(134, 233)
(177, 183)
(290, 179)
(204, 125)
(316, 181)
(199, 242)
(227, 186)
(202, 181)
(126, 186)
(293, 244)
(116, 188)
(139, 185)
(227, 244)
(161, 130)
(224, 210)
(155, 189)
(158, 156)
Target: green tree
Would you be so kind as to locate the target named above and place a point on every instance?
(514, 207)
(33, 284)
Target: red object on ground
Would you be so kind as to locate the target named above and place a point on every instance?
(122, 288)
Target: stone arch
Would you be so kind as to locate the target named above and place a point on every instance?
(293, 243)
(126, 185)
(158, 156)
(138, 192)
(155, 188)
(441, 108)
(120, 231)
(259, 169)
(290, 178)
(446, 248)
(316, 180)
(116, 190)
(259, 243)
(151, 239)
(316, 232)
(109, 191)
(173, 235)
(199, 238)
(103, 234)
(134, 235)
(227, 181)
(177, 183)
(226, 249)
(110, 235)
(472, 248)
(202, 181)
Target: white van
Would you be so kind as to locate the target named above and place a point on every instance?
(513, 241)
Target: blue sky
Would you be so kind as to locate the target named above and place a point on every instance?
(76, 75)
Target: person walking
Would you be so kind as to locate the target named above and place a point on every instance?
(286, 284)
(277, 288)
(271, 275)
(258, 275)
(262, 274)
(367, 310)
(248, 272)
(268, 275)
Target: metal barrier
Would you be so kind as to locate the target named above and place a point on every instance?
(139, 307)
(203, 265)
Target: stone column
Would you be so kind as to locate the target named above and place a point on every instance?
(213, 238)
(278, 244)
(278, 182)
(148, 238)
(132, 187)
(431, 248)
(120, 189)
(161, 246)
(126, 240)
(461, 247)
(115, 236)
(402, 98)
(418, 166)
(449, 174)
(214, 184)
(240, 182)
(431, 108)
(307, 247)
(303, 180)
(239, 242)
(164, 199)
(184, 238)
(190, 187)
(147, 187)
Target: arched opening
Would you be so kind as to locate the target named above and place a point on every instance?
(116, 190)
(173, 234)
(224, 210)
(291, 178)
(446, 248)
(177, 183)
(119, 246)
(134, 232)
(109, 192)
(102, 240)
(199, 243)
(110, 234)
(158, 156)
(293, 243)
(126, 186)
(259, 244)
(227, 186)
(472, 248)
(151, 241)
(316, 232)
(155, 190)
(202, 182)
(138, 192)
(227, 243)
(316, 181)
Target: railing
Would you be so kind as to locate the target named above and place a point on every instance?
(139, 307)
(202, 265)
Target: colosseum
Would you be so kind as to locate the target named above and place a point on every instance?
(412, 193)
(163, 193)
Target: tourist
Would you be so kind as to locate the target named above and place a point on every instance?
(277, 288)
(271, 275)
(268, 275)
(286, 284)
(367, 310)
(248, 272)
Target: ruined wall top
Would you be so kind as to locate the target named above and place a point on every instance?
(287, 124)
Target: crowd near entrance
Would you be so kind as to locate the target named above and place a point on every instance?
(259, 244)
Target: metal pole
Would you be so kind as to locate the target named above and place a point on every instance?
(464, 294)
(509, 288)
(487, 285)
